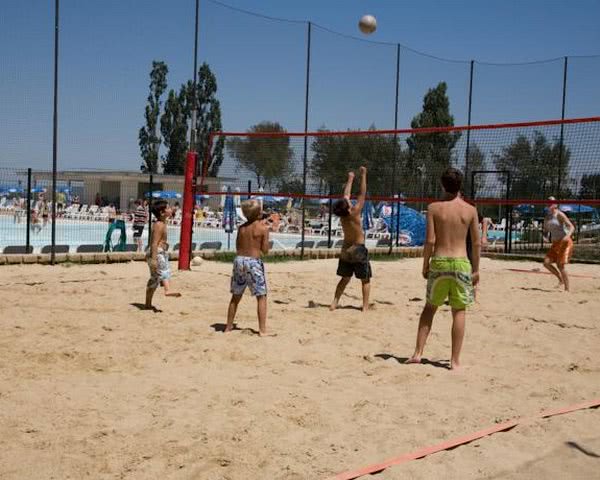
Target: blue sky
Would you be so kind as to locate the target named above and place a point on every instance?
(107, 48)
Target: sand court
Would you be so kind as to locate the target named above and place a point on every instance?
(91, 386)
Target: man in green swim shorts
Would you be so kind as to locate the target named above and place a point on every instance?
(449, 273)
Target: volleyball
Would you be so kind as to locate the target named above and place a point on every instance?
(367, 24)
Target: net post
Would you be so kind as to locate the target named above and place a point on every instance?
(329, 220)
(187, 217)
(396, 106)
(398, 220)
(304, 156)
(508, 217)
(469, 121)
(28, 226)
(562, 127)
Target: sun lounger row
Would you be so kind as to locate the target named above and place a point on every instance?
(95, 248)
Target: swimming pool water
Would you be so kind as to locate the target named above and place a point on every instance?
(75, 233)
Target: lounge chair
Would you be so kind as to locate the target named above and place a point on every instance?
(57, 249)
(90, 248)
(177, 245)
(18, 249)
(384, 242)
(324, 244)
(210, 246)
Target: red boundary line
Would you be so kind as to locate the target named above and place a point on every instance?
(379, 198)
(461, 128)
(423, 452)
(522, 270)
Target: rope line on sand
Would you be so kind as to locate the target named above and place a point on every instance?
(522, 270)
(449, 444)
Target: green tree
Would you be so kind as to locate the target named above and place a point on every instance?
(476, 162)
(208, 118)
(334, 156)
(174, 128)
(590, 186)
(430, 152)
(290, 185)
(534, 167)
(148, 137)
(268, 158)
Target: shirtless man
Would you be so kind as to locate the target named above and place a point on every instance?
(248, 268)
(449, 273)
(354, 258)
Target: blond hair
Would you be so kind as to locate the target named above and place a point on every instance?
(251, 210)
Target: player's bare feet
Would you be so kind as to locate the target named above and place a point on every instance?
(228, 328)
(413, 359)
(454, 366)
(333, 306)
(266, 334)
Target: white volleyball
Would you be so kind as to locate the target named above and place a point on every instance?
(367, 24)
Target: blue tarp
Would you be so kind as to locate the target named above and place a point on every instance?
(367, 215)
(165, 194)
(412, 223)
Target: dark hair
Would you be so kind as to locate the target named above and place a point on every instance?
(158, 207)
(341, 207)
(452, 180)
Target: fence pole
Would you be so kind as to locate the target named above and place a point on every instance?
(398, 220)
(28, 231)
(249, 189)
(508, 217)
(394, 188)
(304, 156)
(329, 220)
(150, 208)
(54, 133)
(469, 124)
(562, 127)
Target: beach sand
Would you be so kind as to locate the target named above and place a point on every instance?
(93, 387)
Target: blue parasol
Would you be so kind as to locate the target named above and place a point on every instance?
(229, 216)
(367, 215)
(576, 208)
(165, 194)
(525, 209)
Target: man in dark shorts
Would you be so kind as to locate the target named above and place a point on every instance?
(139, 222)
(354, 258)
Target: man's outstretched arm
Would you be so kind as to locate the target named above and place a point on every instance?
(348, 186)
(363, 188)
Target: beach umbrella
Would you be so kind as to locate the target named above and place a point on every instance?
(38, 190)
(367, 216)
(14, 190)
(229, 217)
(576, 208)
(271, 199)
(165, 194)
(525, 208)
